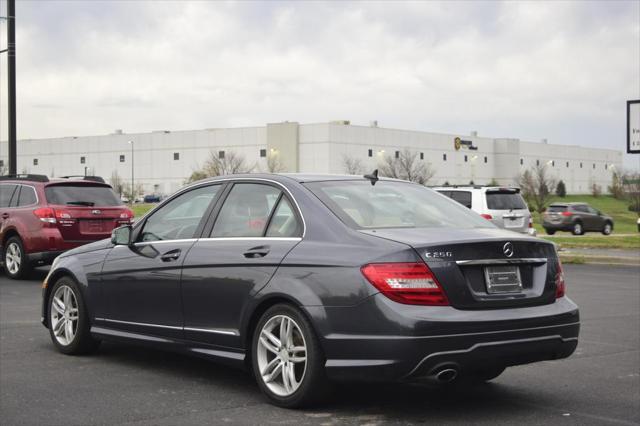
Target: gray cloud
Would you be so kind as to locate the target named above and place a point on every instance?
(556, 70)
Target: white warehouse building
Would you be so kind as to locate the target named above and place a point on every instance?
(163, 160)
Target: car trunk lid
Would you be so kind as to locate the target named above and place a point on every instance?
(484, 268)
(507, 209)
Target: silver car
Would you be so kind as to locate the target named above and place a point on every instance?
(504, 207)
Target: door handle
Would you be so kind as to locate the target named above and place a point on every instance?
(255, 252)
(171, 255)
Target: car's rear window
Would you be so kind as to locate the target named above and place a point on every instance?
(81, 195)
(393, 205)
(505, 200)
(557, 209)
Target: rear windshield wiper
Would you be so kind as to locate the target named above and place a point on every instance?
(81, 203)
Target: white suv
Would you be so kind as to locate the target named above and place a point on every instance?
(505, 207)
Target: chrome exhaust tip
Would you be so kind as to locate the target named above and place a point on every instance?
(446, 375)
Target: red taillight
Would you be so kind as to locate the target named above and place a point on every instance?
(126, 216)
(409, 283)
(560, 285)
(530, 222)
(486, 216)
(46, 214)
(566, 213)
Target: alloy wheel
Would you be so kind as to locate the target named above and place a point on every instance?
(13, 258)
(282, 355)
(577, 229)
(64, 315)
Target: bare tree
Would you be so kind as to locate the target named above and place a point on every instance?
(617, 185)
(228, 164)
(537, 186)
(631, 184)
(116, 183)
(407, 166)
(274, 163)
(138, 190)
(352, 166)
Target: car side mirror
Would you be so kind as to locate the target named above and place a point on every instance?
(121, 236)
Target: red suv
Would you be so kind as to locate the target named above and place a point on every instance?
(41, 218)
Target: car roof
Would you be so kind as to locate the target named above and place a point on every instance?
(568, 204)
(297, 177)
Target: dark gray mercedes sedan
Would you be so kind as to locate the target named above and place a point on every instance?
(311, 279)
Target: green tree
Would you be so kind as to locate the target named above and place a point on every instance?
(561, 189)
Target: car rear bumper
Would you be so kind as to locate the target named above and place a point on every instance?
(43, 257)
(467, 340)
(562, 226)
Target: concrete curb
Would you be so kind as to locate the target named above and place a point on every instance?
(568, 257)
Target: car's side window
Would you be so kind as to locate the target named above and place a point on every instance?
(6, 193)
(284, 222)
(246, 211)
(592, 210)
(463, 197)
(580, 209)
(180, 217)
(27, 196)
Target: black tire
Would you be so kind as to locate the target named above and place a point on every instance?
(577, 228)
(549, 231)
(607, 228)
(314, 385)
(82, 342)
(485, 374)
(15, 243)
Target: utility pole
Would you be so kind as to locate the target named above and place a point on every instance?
(133, 191)
(11, 77)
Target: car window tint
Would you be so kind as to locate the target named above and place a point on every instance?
(27, 196)
(581, 209)
(246, 211)
(505, 200)
(6, 192)
(284, 222)
(592, 210)
(557, 209)
(180, 217)
(463, 197)
(393, 205)
(81, 195)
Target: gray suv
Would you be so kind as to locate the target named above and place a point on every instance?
(577, 218)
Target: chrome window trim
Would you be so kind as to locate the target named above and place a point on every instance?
(251, 239)
(529, 260)
(186, 240)
(231, 179)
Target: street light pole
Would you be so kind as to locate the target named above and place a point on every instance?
(11, 78)
(133, 196)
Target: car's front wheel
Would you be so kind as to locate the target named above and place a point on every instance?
(68, 319)
(550, 231)
(16, 264)
(287, 359)
(606, 230)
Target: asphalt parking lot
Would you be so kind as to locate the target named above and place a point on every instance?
(599, 384)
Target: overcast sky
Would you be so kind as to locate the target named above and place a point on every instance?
(555, 70)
